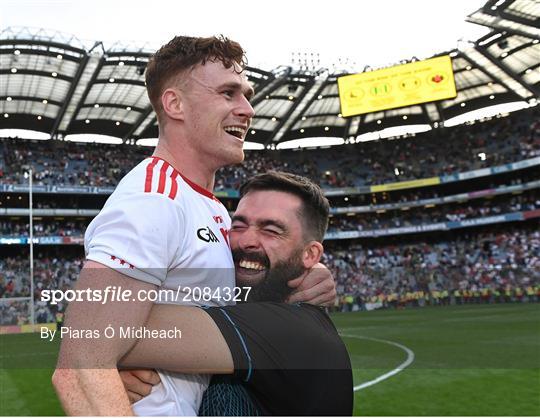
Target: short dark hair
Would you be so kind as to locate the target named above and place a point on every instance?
(183, 53)
(315, 207)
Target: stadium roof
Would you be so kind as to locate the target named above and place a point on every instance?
(54, 83)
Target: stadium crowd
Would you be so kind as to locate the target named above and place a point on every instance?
(43, 228)
(358, 222)
(459, 149)
(419, 193)
(50, 272)
(497, 266)
(450, 150)
(445, 213)
(502, 265)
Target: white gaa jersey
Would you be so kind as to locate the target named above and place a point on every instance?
(161, 228)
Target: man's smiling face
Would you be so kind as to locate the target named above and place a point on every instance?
(267, 242)
(217, 111)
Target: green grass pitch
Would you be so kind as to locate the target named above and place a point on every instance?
(467, 360)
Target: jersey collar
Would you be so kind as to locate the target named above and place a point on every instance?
(191, 184)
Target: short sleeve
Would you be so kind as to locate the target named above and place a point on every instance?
(138, 235)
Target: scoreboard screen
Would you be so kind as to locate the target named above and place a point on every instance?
(402, 85)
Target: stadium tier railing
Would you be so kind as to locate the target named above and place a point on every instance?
(343, 191)
(460, 197)
(373, 233)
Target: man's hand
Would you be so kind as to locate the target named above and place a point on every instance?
(316, 287)
(138, 383)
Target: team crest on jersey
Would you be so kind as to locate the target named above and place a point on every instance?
(207, 235)
(225, 234)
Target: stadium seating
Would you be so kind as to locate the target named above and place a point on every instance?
(494, 263)
(457, 149)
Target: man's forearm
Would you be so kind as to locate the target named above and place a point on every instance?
(91, 392)
(201, 348)
(71, 396)
(86, 378)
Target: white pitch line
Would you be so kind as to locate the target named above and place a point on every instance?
(405, 364)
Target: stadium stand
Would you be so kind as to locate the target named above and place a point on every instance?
(60, 228)
(448, 213)
(497, 264)
(432, 216)
(454, 212)
(502, 141)
(393, 275)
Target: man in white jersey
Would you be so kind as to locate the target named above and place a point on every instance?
(281, 357)
(162, 227)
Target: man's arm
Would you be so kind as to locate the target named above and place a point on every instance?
(201, 349)
(86, 379)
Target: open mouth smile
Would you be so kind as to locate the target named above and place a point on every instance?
(247, 267)
(237, 131)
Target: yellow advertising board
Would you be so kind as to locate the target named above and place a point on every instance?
(401, 85)
(17, 329)
(388, 187)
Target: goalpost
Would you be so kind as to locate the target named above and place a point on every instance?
(30, 215)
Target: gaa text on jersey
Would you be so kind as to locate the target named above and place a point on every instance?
(207, 235)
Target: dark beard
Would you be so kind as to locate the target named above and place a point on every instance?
(273, 287)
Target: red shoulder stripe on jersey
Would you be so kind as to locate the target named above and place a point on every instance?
(193, 185)
(174, 187)
(149, 173)
(162, 177)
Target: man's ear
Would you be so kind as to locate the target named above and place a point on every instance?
(172, 103)
(312, 254)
